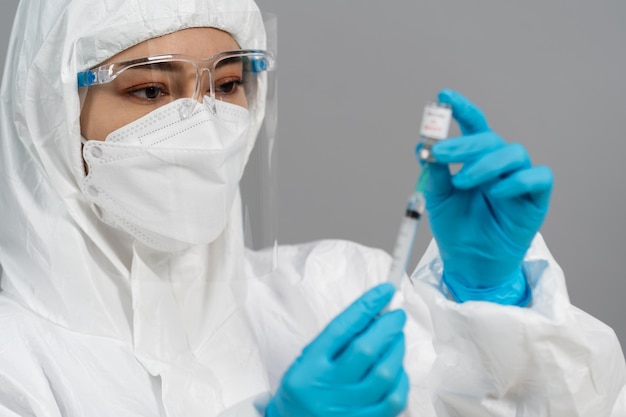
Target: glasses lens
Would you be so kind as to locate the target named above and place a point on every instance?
(236, 78)
(154, 84)
(137, 88)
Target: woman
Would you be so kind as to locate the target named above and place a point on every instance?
(127, 289)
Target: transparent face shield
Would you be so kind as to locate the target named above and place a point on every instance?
(259, 185)
(191, 77)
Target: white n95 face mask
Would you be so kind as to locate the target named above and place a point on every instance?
(170, 180)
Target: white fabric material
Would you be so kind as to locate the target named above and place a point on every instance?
(94, 323)
(168, 164)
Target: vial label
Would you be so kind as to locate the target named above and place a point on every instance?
(436, 122)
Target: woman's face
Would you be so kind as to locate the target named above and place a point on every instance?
(107, 107)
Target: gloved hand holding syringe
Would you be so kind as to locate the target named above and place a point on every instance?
(435, 126)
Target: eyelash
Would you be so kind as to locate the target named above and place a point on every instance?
(139, 92)
(133, 92)
(237, 83)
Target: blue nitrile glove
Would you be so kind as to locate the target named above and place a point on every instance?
(485, 216)
(353, 368)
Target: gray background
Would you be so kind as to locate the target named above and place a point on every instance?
(354, 76)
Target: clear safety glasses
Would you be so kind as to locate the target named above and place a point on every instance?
(140, 85)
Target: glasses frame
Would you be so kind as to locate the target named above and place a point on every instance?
(260, 61)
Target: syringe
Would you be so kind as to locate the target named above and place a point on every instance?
(408, 229)
(435, 126)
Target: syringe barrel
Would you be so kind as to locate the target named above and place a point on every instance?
(402, 249)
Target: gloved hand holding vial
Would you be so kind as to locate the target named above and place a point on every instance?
(485, 216)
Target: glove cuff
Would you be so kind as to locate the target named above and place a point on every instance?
(514, 291)
(270, 410)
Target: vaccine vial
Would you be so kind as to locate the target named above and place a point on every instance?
(435, 127)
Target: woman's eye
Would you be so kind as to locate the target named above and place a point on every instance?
(228, 87)
(148, 93)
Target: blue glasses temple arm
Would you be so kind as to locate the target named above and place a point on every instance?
(86, 78)
(258, 64)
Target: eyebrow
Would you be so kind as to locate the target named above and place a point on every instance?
(229, 61)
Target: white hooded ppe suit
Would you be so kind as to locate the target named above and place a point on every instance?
(92, 324)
